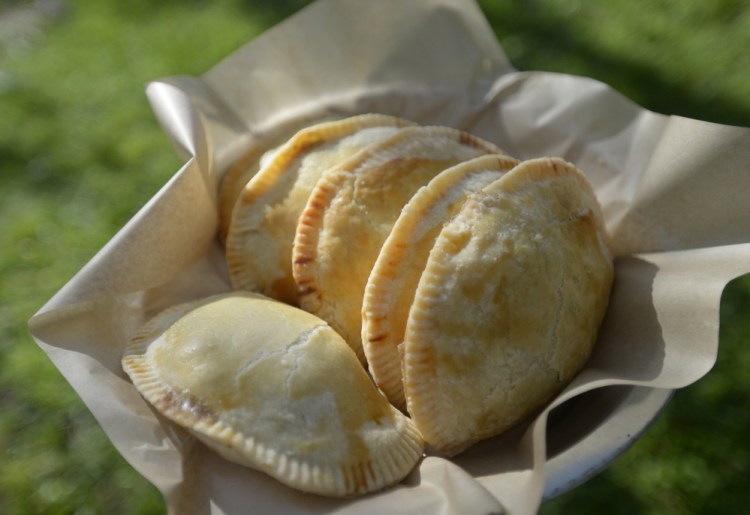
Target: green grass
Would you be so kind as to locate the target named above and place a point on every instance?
(80, 152)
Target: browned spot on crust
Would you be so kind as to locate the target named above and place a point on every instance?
(300, 261)
(306, 288)
(467, 139)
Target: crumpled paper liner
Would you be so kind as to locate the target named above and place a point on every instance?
(673, 191)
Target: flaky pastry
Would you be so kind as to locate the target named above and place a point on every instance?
(265, 215)
(394, 277)
(351, 212)
(274, 388)
(509, 305)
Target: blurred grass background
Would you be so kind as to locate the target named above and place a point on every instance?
(80, 152)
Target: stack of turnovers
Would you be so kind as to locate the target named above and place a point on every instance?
(398, 288)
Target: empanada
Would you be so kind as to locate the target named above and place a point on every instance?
(509, 305)
(351, 212)
(264, 219)
(274, 388)
(391, 285)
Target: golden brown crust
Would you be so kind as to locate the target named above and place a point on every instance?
(351, 211)
(527, 257)
(277, 391)
(245, 167)
(391, 285)
(265, 215)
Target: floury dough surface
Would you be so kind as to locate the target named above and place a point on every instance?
(277, 390)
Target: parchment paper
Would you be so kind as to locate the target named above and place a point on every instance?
(673, 191)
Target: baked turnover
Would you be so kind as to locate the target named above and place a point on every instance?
(470, 285)
(265, 215)
(351, 212)
(509, 304)
(394, 277)
(274, 388)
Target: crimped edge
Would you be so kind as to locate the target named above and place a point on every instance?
(388, 467)
(417, 348)
(261, 188)
(305, 248)
(378, 340)
(247, 165)
(305, 254)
